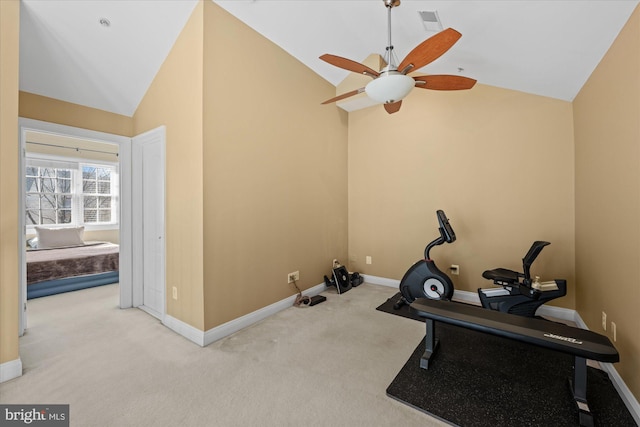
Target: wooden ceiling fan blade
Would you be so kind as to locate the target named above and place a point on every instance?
(349, 65)
(344, 95)
(429, 50)
(393, 107)
(444, 82)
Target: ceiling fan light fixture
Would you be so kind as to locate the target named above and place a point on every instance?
(390, 87)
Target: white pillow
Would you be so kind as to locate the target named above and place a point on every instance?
(59, 237)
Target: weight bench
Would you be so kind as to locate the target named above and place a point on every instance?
(580, 343)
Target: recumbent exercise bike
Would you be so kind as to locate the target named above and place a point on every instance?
(517, 294)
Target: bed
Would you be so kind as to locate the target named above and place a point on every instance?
(54, 270)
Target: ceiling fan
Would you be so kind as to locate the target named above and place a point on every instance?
(392, 84)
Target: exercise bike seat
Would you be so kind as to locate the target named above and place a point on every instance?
(517, 295)
(503, 275)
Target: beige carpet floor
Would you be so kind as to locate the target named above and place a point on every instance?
(327, 365)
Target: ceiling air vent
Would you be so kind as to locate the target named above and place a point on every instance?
(430, 20)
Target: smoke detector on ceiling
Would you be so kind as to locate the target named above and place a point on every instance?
(430, 20)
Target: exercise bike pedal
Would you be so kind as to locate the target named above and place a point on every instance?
(401, 302)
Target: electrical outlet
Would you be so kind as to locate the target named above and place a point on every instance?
(604, 320)
(292, 277)
(174, 292)
(613, 330)
(368, 259)
(455, 269)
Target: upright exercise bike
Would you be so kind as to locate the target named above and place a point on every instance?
(517, 294)
(424, 279)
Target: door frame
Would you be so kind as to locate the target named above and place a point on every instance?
(137, 220)
(124, 159)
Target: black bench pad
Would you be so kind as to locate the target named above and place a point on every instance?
(540, 332)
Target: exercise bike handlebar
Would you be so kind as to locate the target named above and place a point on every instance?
(447, 235)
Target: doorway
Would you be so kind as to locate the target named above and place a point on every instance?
(124, 162)
(141, 280)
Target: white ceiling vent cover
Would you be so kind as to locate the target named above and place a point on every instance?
(430, 20)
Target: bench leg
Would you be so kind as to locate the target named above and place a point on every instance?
(431, 343)
(579, 390)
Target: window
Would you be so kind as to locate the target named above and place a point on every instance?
(60, 192)
(96, 193)
(48, 199)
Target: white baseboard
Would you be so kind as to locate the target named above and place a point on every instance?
(375, 280)
(235, 325)
(546, 310)
(204, 338)
(189, 332)
(10, 370)
(466, 297)
(627, 397)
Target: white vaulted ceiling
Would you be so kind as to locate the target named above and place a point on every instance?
(547, 48)
(65, 53)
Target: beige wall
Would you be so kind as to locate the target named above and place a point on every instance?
(607, 128)
(112, 236)
(275, 197)
(51, 110)
(498, 162)
(9, 198)
(174, 100)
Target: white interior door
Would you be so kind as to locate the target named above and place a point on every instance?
(148, 219)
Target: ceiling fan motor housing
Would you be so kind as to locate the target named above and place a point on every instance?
(389, 87)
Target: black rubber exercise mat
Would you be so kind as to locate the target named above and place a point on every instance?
(478, 379)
